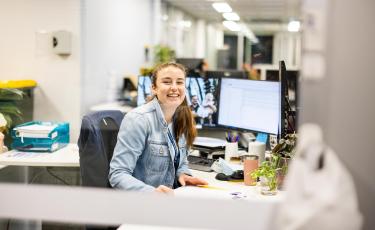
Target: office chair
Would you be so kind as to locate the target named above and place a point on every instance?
(96, 143)
(97, 140)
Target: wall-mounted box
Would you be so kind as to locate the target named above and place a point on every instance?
(62, 42)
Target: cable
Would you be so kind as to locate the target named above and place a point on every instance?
(36, 177)
(56, 177)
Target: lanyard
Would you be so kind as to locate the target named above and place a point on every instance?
(176, 150)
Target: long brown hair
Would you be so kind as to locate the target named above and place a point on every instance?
(183, 121)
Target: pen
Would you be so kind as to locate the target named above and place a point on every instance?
(210, 187)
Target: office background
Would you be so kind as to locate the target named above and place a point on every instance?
(341, 102)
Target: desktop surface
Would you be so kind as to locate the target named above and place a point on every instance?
(64, 157)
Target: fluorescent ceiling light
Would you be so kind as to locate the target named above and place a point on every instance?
(185, 23)
(294, 26)
(247, 32)
(231, 25)
(222, 7)
(231, 16)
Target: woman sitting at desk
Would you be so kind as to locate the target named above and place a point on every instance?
(151, 149)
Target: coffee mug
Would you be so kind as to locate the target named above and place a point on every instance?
(250, 163)
(231, 150)
(257, 148)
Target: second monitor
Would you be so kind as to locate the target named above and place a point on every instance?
(201, 95)
(250, 105)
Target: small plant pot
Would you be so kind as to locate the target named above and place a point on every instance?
(281, 173)
(268, 186)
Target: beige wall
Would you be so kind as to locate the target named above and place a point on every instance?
(26, 53)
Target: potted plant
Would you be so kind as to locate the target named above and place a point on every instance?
(163, 54)
(9, 112)
(267, 172)
(273, 171)
(285, 150)
(3, 125)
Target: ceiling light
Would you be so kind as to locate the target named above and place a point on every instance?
(294, 26)
(164, 17)
(185, 23)
(231, 16)
(222, 7)
(247, 32)
(231, 25)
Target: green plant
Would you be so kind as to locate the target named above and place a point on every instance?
(163, 54)
(8, 108)
(268, 170)
(276, 167)
(286, 146)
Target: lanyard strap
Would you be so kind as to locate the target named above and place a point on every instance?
(176, 150)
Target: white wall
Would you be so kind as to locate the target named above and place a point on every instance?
(115, 33)
(343, 101)
(25, 53)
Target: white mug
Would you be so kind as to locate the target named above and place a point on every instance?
(259, 149)
(231, 150)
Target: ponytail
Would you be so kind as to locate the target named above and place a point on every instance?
(184, 124)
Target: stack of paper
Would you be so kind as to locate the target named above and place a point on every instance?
(36, 130)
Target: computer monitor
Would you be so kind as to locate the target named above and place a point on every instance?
(291, 81)
(193, 65)
(226, 74)
(190, 63)
(202, 95)
(288, 111)
(250, 105)
(144, 89)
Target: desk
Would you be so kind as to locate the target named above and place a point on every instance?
(65, 157)
(250, 195)
(33, 167)
(223, 189)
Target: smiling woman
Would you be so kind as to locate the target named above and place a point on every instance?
(151, 150)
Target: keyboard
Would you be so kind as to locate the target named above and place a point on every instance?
(200, 163)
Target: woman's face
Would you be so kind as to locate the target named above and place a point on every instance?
(170, 86)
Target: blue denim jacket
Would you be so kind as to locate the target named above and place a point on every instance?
(143, 156)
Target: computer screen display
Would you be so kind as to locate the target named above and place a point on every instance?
(250, 105)
(144, 90)
(202, 94)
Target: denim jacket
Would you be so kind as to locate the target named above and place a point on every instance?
(143, 156)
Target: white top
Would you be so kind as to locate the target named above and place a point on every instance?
(65, 157)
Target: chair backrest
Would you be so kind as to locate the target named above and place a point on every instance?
(97, 140)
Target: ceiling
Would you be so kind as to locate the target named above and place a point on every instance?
(250, 11)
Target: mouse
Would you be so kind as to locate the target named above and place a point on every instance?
(237, 175)
(221, 176)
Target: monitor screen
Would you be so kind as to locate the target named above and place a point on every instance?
(250, 105)
(202, 94)
(144, 90)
